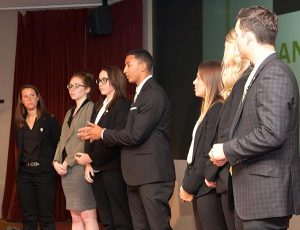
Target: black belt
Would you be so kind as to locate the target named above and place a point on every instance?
(31, 164)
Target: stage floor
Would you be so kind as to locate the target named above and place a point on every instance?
(18, 226)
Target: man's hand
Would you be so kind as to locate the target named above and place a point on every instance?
(217, 155)
(83, 158)
(185, 196)
(90, 132)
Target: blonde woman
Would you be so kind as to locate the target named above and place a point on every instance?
(234, 75)
(206, 203)
(78, 192)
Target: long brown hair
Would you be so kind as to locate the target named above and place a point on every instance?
(210, 74)
(233, 67)
(118, 82)
(21, 112)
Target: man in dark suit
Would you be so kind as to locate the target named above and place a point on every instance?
(264, 145)
(146, 158)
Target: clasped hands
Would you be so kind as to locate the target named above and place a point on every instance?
(61, 169)
(217, 156)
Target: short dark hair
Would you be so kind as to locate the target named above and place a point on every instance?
(261, 21)
(144, 56)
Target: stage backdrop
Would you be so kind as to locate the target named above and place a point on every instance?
(53, 44)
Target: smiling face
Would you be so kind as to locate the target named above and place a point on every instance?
(77, 89)
(200, 87)
(105, 86)
(29, 99)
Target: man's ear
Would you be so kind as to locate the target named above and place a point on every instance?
(250, 37)
(87, 89)
(143, 67)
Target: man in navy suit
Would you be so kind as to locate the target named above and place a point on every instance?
(264, 145)
(146, 158)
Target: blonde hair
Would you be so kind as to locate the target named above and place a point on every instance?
(233, 66)
(210, 74)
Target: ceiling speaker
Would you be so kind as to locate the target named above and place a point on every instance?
(100, 20)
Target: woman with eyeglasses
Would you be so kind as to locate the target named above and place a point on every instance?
(37, 134)
(79, 194)
(102, 163)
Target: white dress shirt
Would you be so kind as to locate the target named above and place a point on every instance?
(102, 110)
(140, 86)
(249, 80)
(191, 149)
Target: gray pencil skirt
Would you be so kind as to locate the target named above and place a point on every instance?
(78, 192)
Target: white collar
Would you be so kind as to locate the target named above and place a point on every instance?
(261, 60)
(140, 86)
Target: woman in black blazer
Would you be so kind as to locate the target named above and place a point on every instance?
(234, 77)
(102, 163)
(206, 203)
(37, 134)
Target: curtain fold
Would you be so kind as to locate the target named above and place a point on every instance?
(51, 46)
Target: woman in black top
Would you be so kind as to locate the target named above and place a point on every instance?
(37, 134)
(103, 163)
(206, 203)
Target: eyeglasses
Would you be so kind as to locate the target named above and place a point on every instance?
(103, 81)
(76, 86)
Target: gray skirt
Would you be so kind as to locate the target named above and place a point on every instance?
(78, 192)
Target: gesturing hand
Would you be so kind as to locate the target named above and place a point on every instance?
(90, 132)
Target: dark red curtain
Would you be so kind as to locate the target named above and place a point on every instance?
(53, 44)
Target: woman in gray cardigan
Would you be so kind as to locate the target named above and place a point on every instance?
(79, 195)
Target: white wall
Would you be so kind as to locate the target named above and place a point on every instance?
(8, 37)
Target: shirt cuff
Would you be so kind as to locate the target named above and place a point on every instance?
(102, 133)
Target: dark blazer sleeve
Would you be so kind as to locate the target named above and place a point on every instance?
(227, 114)
(55, 129)
(193, 180)
(114, 119)
(48, 140)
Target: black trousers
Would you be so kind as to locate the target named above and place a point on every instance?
(110, 192)
(149, 205)
(276, 223)
(209, 210)
(37, 196)
(228, 212)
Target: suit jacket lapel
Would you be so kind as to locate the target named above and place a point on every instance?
(145, 86)
(41, 126)
(241, 105)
